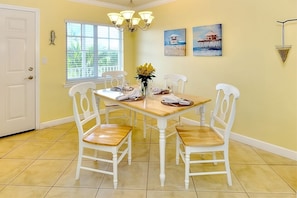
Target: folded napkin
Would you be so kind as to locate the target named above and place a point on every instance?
(136, 93)
(116, 89)
(157, 90)
(174, 99)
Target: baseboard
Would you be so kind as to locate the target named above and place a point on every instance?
(65, 120)
(255, 143)
(52, 123)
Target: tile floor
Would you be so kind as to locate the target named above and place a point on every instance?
(42, 164)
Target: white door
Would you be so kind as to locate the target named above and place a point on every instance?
(17, 70)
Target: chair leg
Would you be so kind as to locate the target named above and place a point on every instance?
(144, 126)
(187, 169)
(227, 167)
(129, 149)
(115, 169)
(177, 150)
(79, 161)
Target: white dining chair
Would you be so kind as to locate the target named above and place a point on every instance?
(176, 84)
(192, 139)
(92, 135)
(114, 79)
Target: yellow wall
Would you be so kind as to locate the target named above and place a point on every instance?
(54, 100)
(267, 106)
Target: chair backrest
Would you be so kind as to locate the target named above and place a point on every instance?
(175, 82)
(223, 115)
(114, 78)
(85, 108)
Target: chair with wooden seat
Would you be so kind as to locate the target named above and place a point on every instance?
(114, 79)
(101, 138)
(176, 84)
(192, 139)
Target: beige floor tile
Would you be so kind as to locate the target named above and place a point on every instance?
(221, 195)
(271, 158)
(43, 164)
(214, 182)
(29, 150)
(171, 194)
(72, 192)
(174, 177)
(87, 179)
(288, 173)
(8, 146)
(170, 156)
(243, 154)
(70, 136)
(42, 173)
(132, 176)
(20, 136)
(48, 134)
(24, 192)
(140, 152)
(10, 168)
(260, 178)
(119, 193)
(272, 195)
(61, 150)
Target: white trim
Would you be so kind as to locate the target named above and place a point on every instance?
(122, 7)
(254, 142)
(37, 54)
(65, 120)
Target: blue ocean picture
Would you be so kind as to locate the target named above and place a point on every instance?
(207, 40)
(175, 42)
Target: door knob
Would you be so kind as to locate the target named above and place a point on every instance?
(30, 68)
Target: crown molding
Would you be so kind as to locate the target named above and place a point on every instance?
(121, 7)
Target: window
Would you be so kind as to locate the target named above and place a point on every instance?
(91, 50)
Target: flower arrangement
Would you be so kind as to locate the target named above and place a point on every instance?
(144, 73)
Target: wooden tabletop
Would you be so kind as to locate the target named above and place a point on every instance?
(152, 104)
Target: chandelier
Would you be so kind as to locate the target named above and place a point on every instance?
(125, 20)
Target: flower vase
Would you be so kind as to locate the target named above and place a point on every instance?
(144, 89)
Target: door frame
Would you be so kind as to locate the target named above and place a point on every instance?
(37, 54)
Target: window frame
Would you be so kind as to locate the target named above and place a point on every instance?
(97, 78)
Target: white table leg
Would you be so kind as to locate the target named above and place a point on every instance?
(162, 123)
(202, 115)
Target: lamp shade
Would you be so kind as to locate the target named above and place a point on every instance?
(135, 21)
(127, 14)
(145, 15)
(113, 17)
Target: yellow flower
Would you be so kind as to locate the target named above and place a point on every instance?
(145, 72)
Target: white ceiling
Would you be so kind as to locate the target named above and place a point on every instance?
(125, 4)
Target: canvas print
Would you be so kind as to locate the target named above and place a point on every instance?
(207, 40)
(175, 42)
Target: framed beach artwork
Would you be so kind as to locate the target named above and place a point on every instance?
(207, 40)
(175, 42)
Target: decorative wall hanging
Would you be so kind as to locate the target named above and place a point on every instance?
(52, 37)
(175, 42)
(283, 49)
(207, 40)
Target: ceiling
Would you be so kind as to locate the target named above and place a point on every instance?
(125, 4)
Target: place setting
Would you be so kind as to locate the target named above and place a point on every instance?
(172, 100)
(130, 96)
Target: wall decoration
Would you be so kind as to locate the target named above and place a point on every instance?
(175, 42)
(207, 40)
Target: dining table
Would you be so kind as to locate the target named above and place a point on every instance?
(153, 106)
